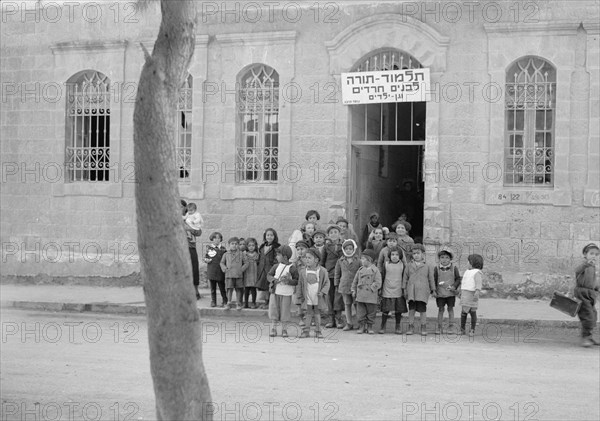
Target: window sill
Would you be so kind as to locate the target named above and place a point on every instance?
(527, 195)
(86, 188)
(280, 192)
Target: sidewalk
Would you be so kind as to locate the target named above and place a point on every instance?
(130, 300)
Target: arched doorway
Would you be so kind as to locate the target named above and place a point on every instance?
(388, 141)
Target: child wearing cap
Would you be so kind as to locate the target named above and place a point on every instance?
(331, 254)
(586, 289)
(282, 277)
(233, 265)
(301, 247)
(319, 241)
(313, 287)
(418, 285)
(365, 289)
(346, 231)
(447, 281)
(345, 270)
(470, 287)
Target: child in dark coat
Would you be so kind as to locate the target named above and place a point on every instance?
(267, 258)
(216, 277)
(329, 258)
(586, 289)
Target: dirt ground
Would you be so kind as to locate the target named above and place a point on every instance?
(69, 366)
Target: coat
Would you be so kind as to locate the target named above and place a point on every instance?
(418, 282)
(293, 272)
(366, 284)
(265, 263)
(233, 264)
(331, 254)
(345, 272)
(213, 257)
(302, 289)
(250, 274)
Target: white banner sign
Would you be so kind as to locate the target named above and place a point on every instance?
(409, 85)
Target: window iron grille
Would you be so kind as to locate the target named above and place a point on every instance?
(530, 105)
(400, 121)
(258, 118)
(183, 147)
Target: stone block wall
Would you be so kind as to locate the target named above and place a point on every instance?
(49, 226)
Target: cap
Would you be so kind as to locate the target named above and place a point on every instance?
(302, 243)
(369, 253)
(321, 232)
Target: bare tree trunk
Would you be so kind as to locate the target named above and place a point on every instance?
(180, 383)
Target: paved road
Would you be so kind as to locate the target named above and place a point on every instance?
(61, 366)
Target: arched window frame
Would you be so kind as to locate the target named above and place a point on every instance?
(257, 150)
(530, 116)
(382, 122)
(87, 134)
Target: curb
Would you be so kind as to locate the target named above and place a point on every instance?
(220, 312)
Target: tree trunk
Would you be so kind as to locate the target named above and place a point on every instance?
(180, 382)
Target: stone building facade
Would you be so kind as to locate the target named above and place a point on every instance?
(504, 157)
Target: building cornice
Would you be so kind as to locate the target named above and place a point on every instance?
(278, 37)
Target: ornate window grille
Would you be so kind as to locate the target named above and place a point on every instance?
(401, 121)
(530, 106)
(258, 120)
(184, 130)
(88, 127)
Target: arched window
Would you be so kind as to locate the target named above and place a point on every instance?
(184, 130)
(258, 125)
(88, 127)
(400, 121)
(530, 106)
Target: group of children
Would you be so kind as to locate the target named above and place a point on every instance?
(328, 278)
(325, 275)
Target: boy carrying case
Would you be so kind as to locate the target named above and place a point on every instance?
(565, 304)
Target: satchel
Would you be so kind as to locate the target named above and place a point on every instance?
(565, 304)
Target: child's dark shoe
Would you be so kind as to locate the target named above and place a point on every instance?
(318, 334)
(398, 330)
(438, 330)
(423, 330)
(301, 323)
(330, 325)
(213, 304)
(304, 334)
(347, 327)
(360, 330)
(370, 330)
(586, 342)
(284, 333)
(463, 331)
(471, 333)
(411, 330)
(273, 333)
